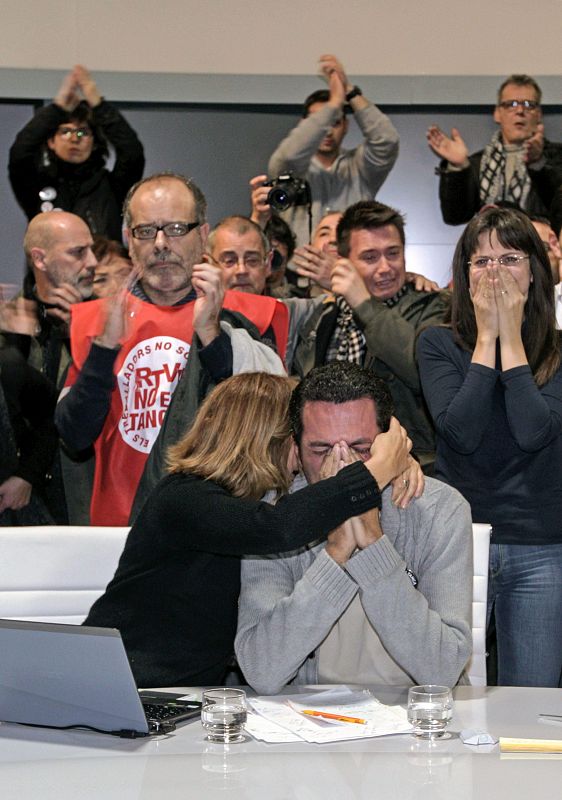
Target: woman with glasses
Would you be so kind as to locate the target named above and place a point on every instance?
(58, 159)
(174, 596)
(493, 384)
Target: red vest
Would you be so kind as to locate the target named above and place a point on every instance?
(147, 369)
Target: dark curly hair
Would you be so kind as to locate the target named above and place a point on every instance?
(340, 382)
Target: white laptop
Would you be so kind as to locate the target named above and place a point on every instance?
(67, 676)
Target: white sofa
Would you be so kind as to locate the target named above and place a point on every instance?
(54, 573)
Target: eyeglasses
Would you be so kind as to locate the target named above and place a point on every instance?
(525, 105)
(250, 260)
(503, 261)
(169, 229)
(80, 133)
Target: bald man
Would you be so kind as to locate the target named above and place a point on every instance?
(58, 248)
(61, 265)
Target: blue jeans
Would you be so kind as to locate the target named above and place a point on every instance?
(525, 594)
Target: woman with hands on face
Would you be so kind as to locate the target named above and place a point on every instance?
(493, 384)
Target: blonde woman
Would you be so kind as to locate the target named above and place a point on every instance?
(174, 596)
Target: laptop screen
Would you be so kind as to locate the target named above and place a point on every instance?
(60, 675)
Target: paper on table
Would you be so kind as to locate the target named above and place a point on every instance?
(380, 720)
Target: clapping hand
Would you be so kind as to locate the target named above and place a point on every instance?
(534, 146)
(207, 280)
(452, 148)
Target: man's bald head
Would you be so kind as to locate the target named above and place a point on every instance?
(43, 229)
(58, 247)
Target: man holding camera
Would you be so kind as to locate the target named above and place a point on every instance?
(312, 151)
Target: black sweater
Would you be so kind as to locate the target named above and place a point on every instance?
(499, 440)
(174, 596)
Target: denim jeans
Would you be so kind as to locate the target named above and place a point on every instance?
(525, 595)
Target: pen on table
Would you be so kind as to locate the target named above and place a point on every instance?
(311, 713)
(530, 745)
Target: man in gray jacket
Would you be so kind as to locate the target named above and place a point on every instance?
(384, 600)
(312, 150)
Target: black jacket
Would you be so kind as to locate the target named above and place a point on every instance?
(89, 189)
(459, 190)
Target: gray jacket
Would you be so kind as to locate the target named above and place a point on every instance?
(289, 604)
(355, 175)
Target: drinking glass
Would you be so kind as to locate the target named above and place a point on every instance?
(223, 714)
(430, 709)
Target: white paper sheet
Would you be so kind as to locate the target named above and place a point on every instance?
(285, 723)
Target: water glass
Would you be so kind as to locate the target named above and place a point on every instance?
(430, 709)
(223, 714)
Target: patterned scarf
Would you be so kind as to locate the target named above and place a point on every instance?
(492, 175)
(348, 342)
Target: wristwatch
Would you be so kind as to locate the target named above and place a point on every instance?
(355, 92)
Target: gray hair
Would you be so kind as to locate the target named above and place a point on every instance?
(198, 196)
(240, 225)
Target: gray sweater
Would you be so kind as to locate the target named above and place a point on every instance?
(355, 175)
(289, 605)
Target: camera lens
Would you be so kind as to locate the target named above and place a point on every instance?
(279, 199)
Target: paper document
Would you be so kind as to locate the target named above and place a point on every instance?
(334, 715)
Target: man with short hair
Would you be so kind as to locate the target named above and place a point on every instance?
(61, 265)
(518, 165)
(134, 352)
(386, 599)
(313, 151)
(240, 247)
(375, 315)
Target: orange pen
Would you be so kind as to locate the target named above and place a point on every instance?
(311, 713)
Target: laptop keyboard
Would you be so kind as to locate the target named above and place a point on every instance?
(158, 711)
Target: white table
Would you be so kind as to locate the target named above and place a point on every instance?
(43, 765)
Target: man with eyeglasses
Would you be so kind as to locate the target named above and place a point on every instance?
(518, 165)
(313, 151)
(58, 159)
(159, 347)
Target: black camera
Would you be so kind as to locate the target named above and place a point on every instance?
(287, 191)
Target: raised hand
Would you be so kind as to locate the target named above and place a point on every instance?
(451, 148)
(328, 64)
(68, 95)
(261, 210)
(87, 86)
(315, 264)
(207, 280)
(483, 296)
(348, 282)
(534, 146)
(333, 72)
(390, 454)
(510, 302)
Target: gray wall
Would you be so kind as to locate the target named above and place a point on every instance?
(222, 148)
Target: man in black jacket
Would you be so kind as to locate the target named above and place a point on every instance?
(58, 159)
(518, 164)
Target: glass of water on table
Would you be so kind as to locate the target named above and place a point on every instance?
(430, 709)
(223, 714)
